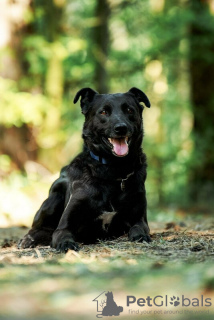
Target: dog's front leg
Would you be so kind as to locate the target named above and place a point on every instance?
(78, 211)
(63, 237)
(139, 230)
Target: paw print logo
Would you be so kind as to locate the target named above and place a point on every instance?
(175, 301)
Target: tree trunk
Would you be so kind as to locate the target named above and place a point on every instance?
(18, 143)
(101, 45)
(201, 75)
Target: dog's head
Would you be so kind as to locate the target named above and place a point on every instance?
(109, 295)
(113, 122)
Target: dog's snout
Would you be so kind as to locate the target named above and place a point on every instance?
(120, 128)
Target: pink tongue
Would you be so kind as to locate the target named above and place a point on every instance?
(120, 147)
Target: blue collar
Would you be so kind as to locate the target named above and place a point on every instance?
(104, 161)
(98, 158)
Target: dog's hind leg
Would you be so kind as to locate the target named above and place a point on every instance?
(47, 217)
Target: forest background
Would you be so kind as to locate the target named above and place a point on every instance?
(51, 49)
(48, 51)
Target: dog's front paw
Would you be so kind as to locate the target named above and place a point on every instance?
(137, 234)
(65, 245)
(26, 242)
(62, 241)
(34, 238)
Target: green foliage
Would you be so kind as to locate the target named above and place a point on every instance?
(21, 107)
(149, 48)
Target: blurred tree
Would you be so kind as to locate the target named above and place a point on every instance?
(101, 45)
(34, 56)
(163, 47)
(201, 76)
(16, 141)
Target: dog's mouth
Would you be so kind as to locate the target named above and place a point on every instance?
(119, 146)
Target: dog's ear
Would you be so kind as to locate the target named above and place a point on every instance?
(140, 96)
(87, 95)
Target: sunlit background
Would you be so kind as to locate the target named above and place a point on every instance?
(51, 49)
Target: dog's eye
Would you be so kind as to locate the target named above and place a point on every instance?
(130, 111)
(104, 112)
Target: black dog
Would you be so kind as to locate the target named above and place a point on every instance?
(111, 308)
(101, 193)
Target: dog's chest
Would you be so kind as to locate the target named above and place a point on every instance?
(106, 217)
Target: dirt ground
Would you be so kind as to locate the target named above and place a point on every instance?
(40, 283)
(192, 241)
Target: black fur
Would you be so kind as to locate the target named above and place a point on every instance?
(90, 201)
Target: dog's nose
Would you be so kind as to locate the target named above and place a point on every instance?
(120, 128)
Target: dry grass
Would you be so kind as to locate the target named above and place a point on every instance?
(40, 283)
(172, 242)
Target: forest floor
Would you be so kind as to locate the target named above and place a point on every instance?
(40, 283)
